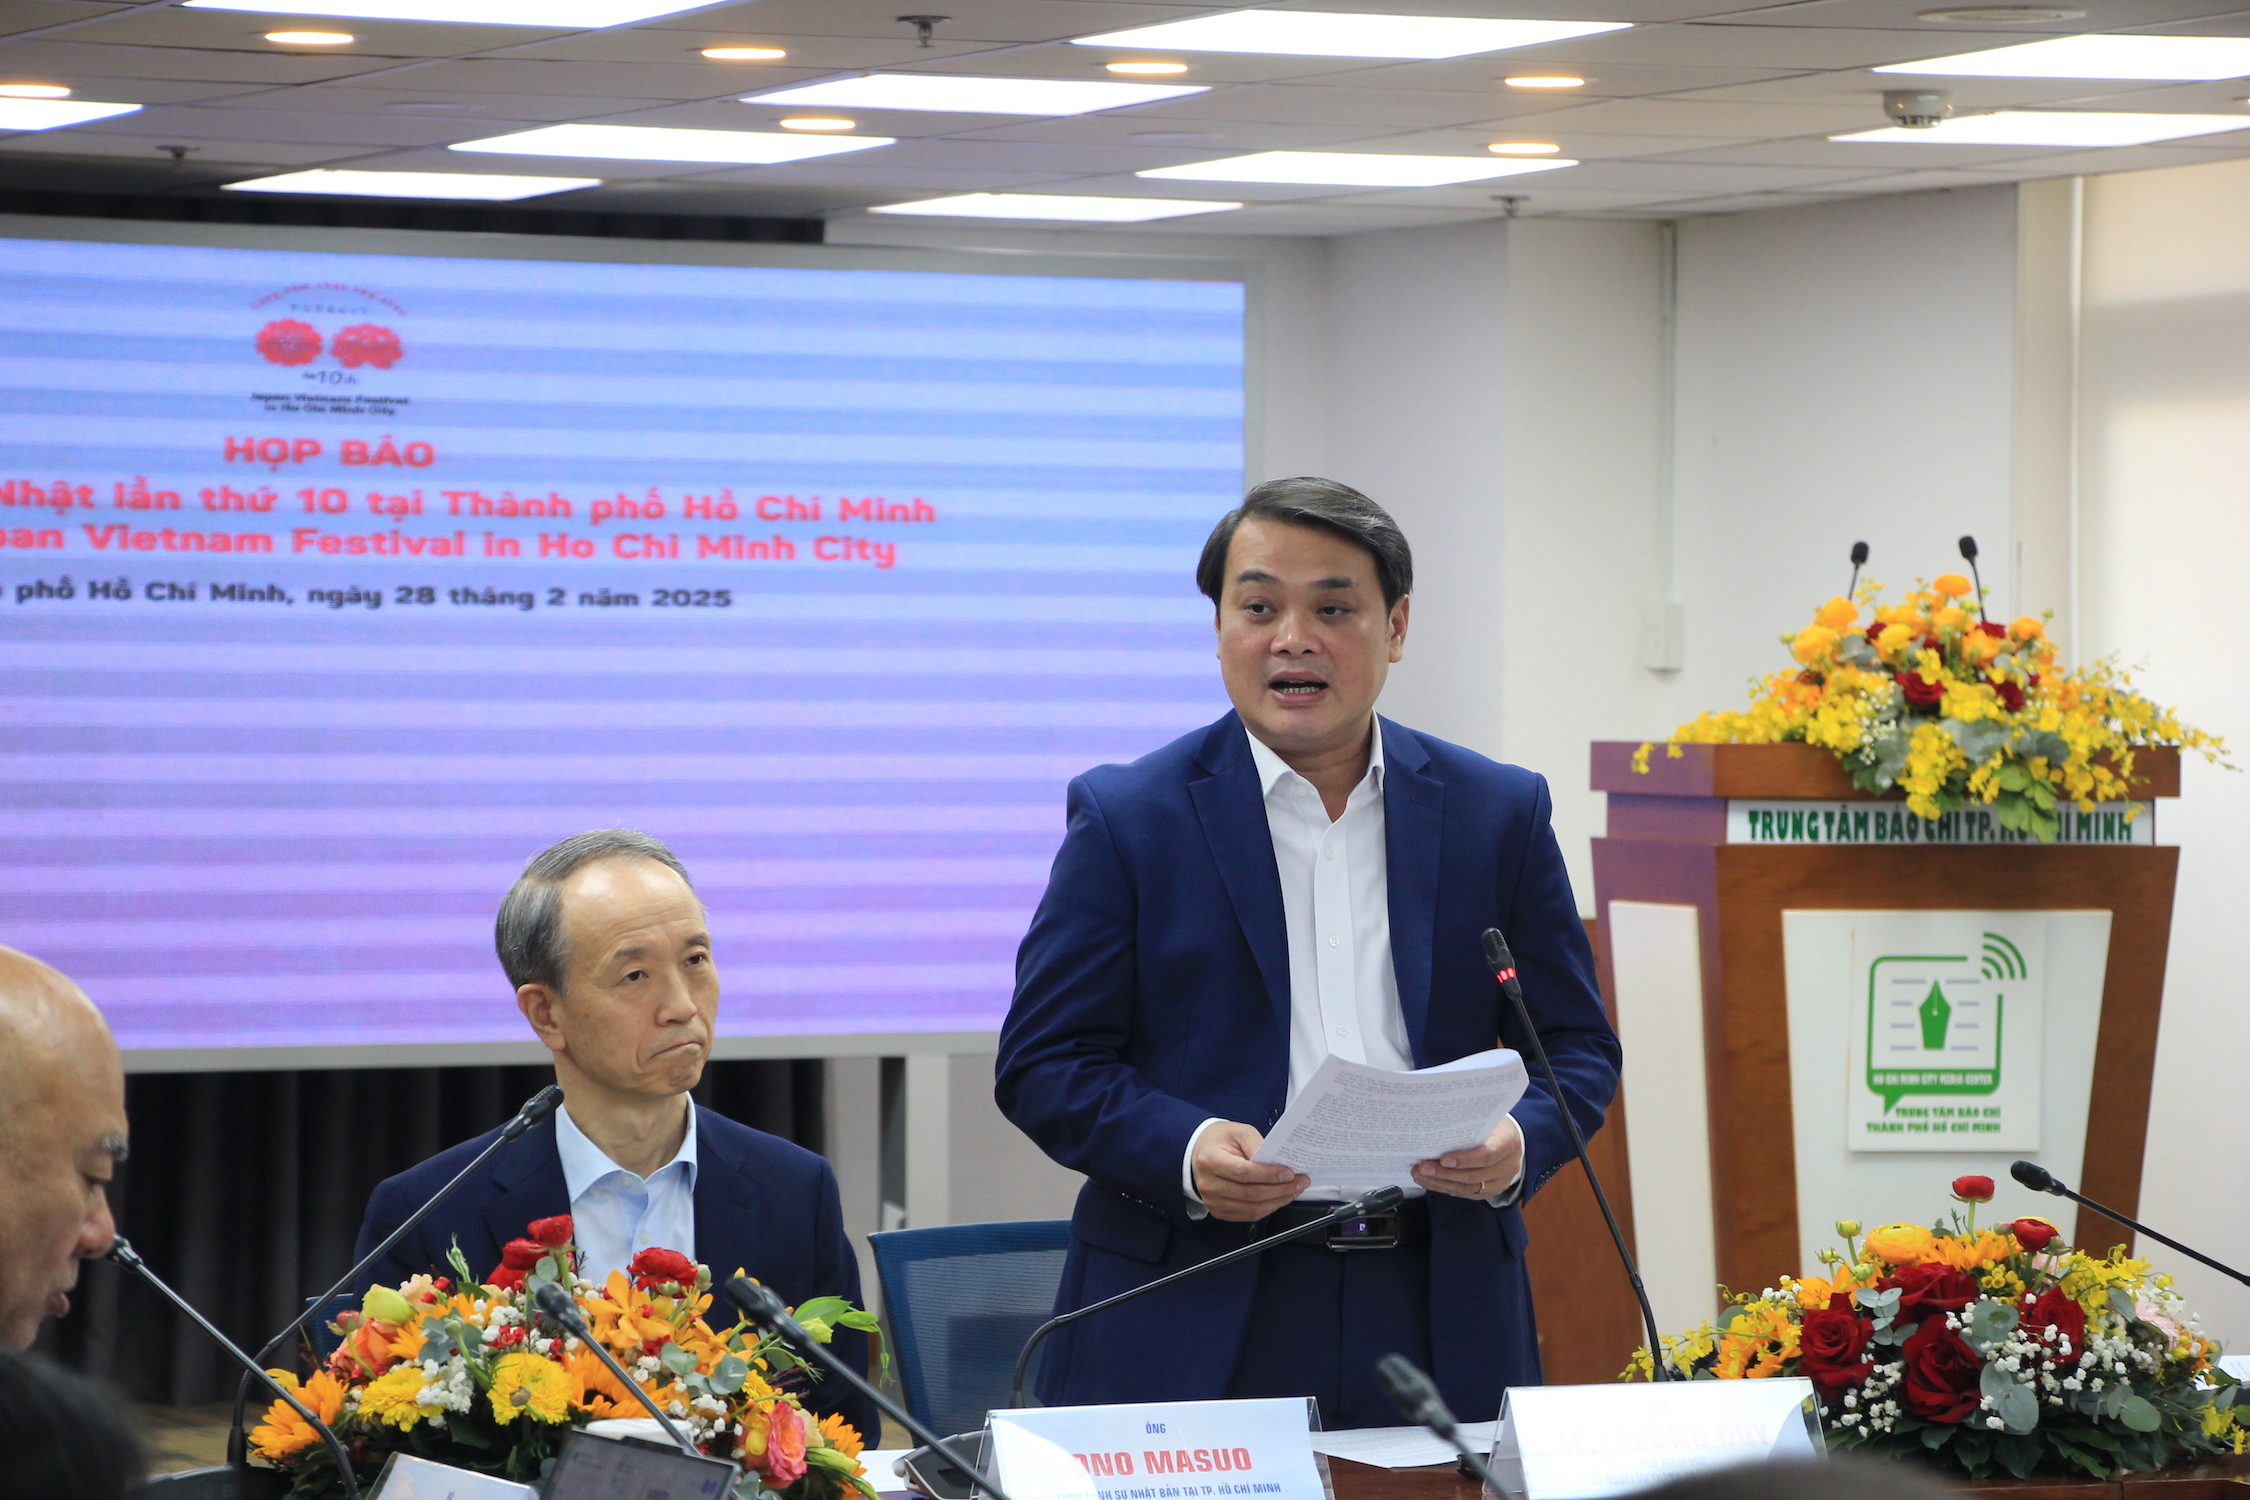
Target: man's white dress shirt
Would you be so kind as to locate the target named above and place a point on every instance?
(615, 1215)
(1336, 904)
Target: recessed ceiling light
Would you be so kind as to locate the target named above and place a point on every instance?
(52, 114)
(1351, 169)
(2039, 127)
(2172, 58)
(1316, 33)
(547, 15)
(977, 96)
(1057, 207)
(817, 122)
(1524, 148)
(1147, 69)
(1545, 81)
(491, 189)
(33, 91)
(744, 54)
(662, 143)
(312, 38)
(2000, 15)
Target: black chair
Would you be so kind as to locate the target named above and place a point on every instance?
(961, 1299)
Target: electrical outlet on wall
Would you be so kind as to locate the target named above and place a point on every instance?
(1663, 637)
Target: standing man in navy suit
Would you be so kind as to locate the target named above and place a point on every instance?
(609, 949)
(1299, 879)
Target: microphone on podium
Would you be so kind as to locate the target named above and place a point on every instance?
(535, 1109)
(1417, 1399)
(121, 1251)
(1503, 965)
(2040, 1180)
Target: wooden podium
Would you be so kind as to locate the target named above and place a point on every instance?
(1668, 844)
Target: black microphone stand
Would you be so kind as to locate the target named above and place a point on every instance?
(535, 1109)
(2040, 1180)
(561, 1309)
(122, 1252)
(1504, 969)
(761, 1306)
(1381, 1201)
(1417, 1399)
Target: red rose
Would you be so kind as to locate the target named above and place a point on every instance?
(2034, 1234)
(1927, 1289)
(656, 1265)
(1831, 1345)
(2051, 1317)
(785, 1446)
(1943, 1374)
(1920, 691)
(1972, 1189)
(506, 1279)
(521, 1255)
(2011, 694)
(554, 1233)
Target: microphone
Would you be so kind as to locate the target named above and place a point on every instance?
(1503, 965)
(1859, 560)
(1417, 1399)
(1969, 554)
(2040, 1180)
(535, 1109)
(1382, 1200)
(562, 1309)
(122, 1252)
(761, 1306)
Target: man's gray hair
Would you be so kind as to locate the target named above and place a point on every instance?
(528, 933)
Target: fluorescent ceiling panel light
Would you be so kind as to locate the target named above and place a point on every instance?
(1317, 33)
(817, 122)
(978, 96)
(34, 91)
(1354, 169)
(1148, 69)
(311, 38)
(2154, 58)
(470, 185)
(1524, 148)
(744, 54)
(755, 148)
(52, 114)
(1053, 206)
(2034, 127)
(1544, 81)
(547, 15)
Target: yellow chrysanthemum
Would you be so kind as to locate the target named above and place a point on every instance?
(390, 1399)
(1972, 1254)
(525, 1384)
(1900, 1244)
(283, 1432)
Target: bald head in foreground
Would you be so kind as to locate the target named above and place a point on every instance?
(62, 1134)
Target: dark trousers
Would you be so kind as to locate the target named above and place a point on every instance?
(1320, 1320)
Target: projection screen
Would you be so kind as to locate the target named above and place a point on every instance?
(339, 584)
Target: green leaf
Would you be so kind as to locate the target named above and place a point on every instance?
(2017, 1454)
(1935, 1435)
(2013, 777)
(728, 1376)
(2140, 1416)
(2121, 1305)
(676, 1359)
(2017, 1407)
(865, 1322)
(827, 1309)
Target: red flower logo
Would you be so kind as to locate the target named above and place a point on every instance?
(366, 344)
(285, 341)
(657, 1265)
(1942, 1374)
(1832, 1347)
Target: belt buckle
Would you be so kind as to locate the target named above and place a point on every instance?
(1368, 1232)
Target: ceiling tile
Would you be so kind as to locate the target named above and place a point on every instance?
(67, 55)
(1703, 117)
(245, 31)
(1488, 75)
(966, 20)
(1308, 104)
(1945, 39)
(1696, 44)
(207, 149)
(29, 15)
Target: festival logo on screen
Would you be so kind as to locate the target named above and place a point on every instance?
(329, 338)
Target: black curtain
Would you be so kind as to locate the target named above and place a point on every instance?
(245, 1191)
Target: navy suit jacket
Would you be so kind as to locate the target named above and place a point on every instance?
(762, 1205)
(1152, 993)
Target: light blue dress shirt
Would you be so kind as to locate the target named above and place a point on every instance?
(616, 1215)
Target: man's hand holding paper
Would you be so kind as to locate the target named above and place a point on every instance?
(1353, 1128)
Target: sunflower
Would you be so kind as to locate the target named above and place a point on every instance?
(529, 1384)
(843, 1437)
(283, 1432)
(391, 1399)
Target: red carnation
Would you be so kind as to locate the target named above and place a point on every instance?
(1943, 1374)
(521, 1255)
(286, 341)
(657, 1265)
(554, 1233)
(367, 344)
(1832, 1345)
(2034, 1234)
(1927, 1290)
(2052, 1317)
(1920, 691)
(1972, 1189)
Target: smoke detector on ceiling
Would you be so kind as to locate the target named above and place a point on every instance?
(1917, 109)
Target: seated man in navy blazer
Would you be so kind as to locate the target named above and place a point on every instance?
(1299, 879)
(609, 949)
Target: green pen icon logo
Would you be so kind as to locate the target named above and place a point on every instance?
(1935, 1021)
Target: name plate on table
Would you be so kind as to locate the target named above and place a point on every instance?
(1587, 1442)
(1178, 1450)
(406, 1477)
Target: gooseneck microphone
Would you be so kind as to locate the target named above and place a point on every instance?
(561, 1309)
(535, 1109)
(763, 1307)
(1417, 1399)
(1381, 1201)
(2040, 1180)
(122, 1252)
(1503, 964)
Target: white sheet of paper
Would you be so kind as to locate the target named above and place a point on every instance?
(1400, 1447)
(1353, 1128)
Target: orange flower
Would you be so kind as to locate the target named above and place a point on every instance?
(844, 1438)
(1901, 1244)
(2027, 628)
(283, 1432)
(1951, 585)
(1837, 613)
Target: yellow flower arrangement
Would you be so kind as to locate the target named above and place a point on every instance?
(394, 1399)
(529, 1385)
(1930, 697)
(284, 1434)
